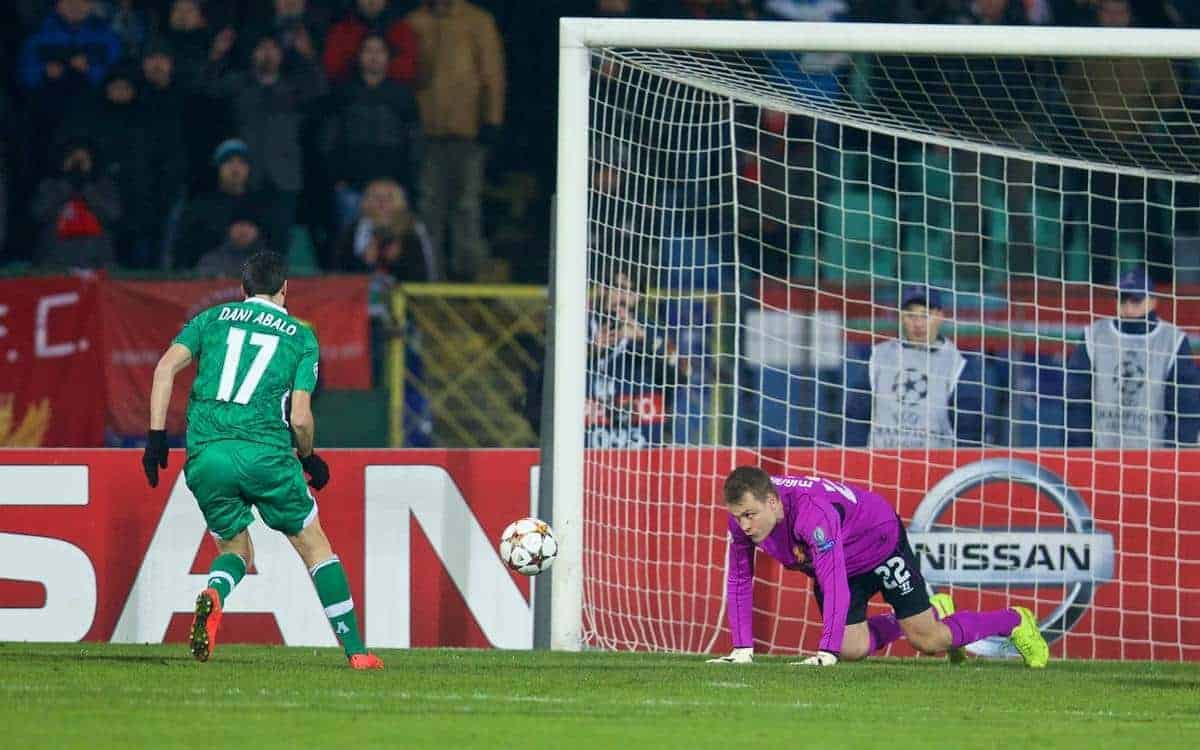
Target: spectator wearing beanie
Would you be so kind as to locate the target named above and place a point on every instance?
(207, 217)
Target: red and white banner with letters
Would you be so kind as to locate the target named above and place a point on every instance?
(1103, 545)
(77, 353)
(51, 382)
(1111, 540)
(89, 552)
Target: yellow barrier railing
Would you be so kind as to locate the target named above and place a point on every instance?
(463, 351)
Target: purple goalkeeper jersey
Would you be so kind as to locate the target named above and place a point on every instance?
(830, 531)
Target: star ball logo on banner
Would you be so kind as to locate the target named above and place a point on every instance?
(1072, 554)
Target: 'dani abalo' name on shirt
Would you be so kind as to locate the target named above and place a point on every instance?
(263, 318)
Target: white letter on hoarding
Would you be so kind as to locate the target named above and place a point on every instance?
(41, 334)
(43, 485)
(165, 586)
(70, 582)
(465, 550)
(62, 568)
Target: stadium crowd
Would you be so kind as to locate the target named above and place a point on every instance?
(180, 134)
(183, 135)
(413, 140)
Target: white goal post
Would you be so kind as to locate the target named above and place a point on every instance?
(712, 73)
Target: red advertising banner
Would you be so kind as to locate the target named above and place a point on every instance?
(141, 318)
(89, 552)
(1103, 546)
(51, 384)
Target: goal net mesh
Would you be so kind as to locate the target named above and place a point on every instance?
(756, 221)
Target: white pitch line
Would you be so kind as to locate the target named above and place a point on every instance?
(287, 697)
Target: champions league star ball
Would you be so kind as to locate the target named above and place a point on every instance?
(914, 388)
(528, 546)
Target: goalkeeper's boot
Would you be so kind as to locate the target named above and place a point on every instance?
(1027, 638)
(365, 661)
(944, 606)
(203, 637)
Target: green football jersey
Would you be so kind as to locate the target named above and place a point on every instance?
(250, 356)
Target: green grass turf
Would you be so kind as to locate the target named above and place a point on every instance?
(121, 696)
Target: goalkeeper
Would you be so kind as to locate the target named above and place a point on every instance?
(853, 545)
(251, 356)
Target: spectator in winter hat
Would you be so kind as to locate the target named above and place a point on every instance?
(206, 218)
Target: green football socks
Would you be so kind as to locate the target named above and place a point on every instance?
(334, 591)
(225, 573)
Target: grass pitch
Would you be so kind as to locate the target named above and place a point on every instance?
(101, 696)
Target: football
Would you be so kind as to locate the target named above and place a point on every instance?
(528, 546)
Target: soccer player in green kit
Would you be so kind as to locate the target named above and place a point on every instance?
(251, 355)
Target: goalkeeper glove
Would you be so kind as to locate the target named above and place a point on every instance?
(155, 455)
(819, 659)
(736, 656)
(316, 468)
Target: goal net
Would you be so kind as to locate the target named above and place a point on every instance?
(745, 209)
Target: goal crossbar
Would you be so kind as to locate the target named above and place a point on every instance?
(880, 38)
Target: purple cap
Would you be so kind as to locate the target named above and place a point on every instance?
(927, 296)
(1135, 283)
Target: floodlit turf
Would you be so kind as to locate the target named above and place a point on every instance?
(99, 696)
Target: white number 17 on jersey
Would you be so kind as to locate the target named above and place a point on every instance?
(266, 344)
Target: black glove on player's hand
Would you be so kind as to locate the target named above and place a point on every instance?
(316, 469)
(155, 455)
